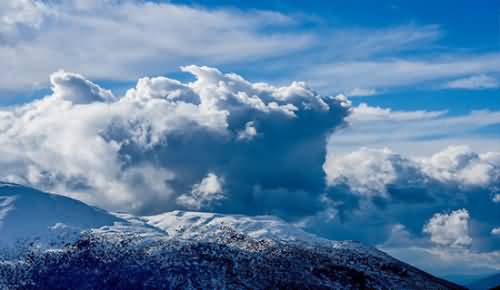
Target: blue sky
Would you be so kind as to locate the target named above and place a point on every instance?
(411, 156)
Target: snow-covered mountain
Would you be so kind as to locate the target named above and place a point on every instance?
(199, 225)
(28, 215)
(180, 250)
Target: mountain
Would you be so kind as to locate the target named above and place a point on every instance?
(28, 215)
(180, 250)
(489, 282)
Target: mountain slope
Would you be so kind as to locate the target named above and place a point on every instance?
(184, 250)
(27, 214)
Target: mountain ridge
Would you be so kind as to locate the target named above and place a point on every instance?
(186, 249)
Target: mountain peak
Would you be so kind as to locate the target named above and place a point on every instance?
(28, 214)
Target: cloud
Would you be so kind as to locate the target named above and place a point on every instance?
(76, 89)
(365, 43)
(364, 112)
(396, 71)
(446, 249)
(157, 36)
(249, 132)
(359, 92)
(18, 14)
(449, 229)
(204, 194)
(473, 83)
(416, 133)
(397, 175)
(367, 172)
(374, 172)
(495, 231)
(136, 38)
(168, 144)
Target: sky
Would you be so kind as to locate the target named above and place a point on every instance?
(336, 116)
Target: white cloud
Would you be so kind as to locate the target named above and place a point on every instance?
(366, 113)
(123, 40)
(367, 171)
(249, 132)
(474, 82)
(415, 133)
(396, 72)
(15, 14)
(449, 251)
(155, 36)
(370, 172)
(449, 229)
(139, 152)
(495, 231)
(348, 43)
(353, 156)
(76, 89)
(203, 194)
(496, 197)
(460, 164)
(360, 92)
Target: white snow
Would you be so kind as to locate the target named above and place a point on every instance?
(29, 215)
(197, 225)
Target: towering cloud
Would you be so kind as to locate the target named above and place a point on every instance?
(219, 142)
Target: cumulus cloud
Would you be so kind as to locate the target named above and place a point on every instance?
(495, 231)
(447, 247)
(204, 194)
(218, 142)
(375, 172)
(367, 172)
(449, 229)
(249, 132)
(392, 193)
(76, 89)
(473, 83)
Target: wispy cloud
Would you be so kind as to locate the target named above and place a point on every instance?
(397, 72)
(415, 132)
(474, 83)
(359, 92)
(123, 40)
